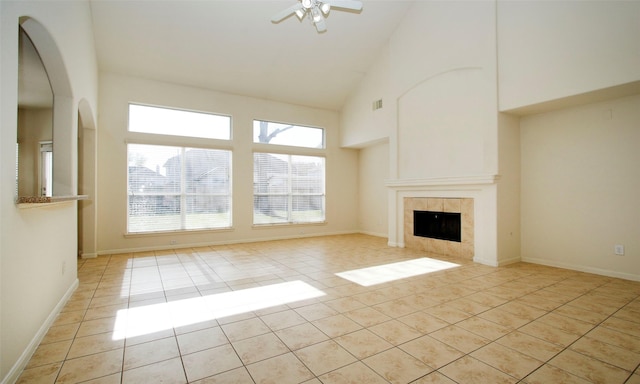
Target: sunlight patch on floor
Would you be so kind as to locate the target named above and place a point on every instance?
(153, 318)
(395, 271)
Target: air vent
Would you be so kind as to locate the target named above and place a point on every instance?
(377, 104)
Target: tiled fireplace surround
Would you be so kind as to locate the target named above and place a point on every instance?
(464, 206)
(475, 197)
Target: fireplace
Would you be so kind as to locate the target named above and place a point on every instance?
(443, 226)
(437, 225)
(474, 197)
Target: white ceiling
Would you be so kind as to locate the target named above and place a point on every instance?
(232, 46)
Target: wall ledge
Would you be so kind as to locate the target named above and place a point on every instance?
(46, 201)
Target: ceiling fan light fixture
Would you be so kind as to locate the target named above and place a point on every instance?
(317, 10)
(317, 15)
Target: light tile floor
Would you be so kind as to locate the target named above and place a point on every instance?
(278, 312)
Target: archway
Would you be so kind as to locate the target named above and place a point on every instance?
(64, 135)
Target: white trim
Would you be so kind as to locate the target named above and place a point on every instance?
(409, 184)
(223, 242)
(582, 268)
(21, 363)
(376, 234)
(512, 260)
(490, 263)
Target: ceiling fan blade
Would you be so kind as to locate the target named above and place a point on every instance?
(286, 12)
(356, 5)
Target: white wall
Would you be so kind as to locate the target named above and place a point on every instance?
(439, 81)
(363, 125)
(117, 91)
(444, 76)
(37, 243)
(580, 187)
(442, 125)
(373, 171)
(509, 229)
(550, 50)
(443, 73)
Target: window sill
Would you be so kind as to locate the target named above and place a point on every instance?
(177, 232)
(24, 202)
(278, 225)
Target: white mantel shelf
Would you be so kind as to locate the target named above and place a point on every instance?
(408, 184)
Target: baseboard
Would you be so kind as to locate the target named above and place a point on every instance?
(512, 260)
(376, 234)
(88, 255)
(582, 268)
(490, 263)
(18, 367)
(223, 242)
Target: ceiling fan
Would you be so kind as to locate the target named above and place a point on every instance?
(316, 10)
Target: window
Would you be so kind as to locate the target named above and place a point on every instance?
(178, 188)
(288, 188)
(286, 134)
(46, 168)
(166, 121)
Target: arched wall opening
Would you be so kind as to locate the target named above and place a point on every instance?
(64, 115)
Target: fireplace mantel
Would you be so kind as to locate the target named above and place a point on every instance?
(408, 184)
(481, 188)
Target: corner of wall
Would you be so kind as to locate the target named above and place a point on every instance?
(508, 193)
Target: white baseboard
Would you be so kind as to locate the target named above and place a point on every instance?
(512, 260)
(225, 242)
(582, 268)
(376, 234)
(490, 263)
(18, 367)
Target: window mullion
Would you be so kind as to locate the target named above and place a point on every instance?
(290, 192)
(183, 188)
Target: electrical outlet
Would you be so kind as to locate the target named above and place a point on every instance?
(173, 242)
(618, 249)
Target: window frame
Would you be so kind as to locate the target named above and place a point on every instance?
(183, 143)
(291, 151)
(290, 194)
(288, 147)
(171, 135)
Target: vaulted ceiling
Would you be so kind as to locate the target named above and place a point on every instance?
(232, 46)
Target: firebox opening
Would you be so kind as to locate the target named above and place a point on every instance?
(437, 225)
